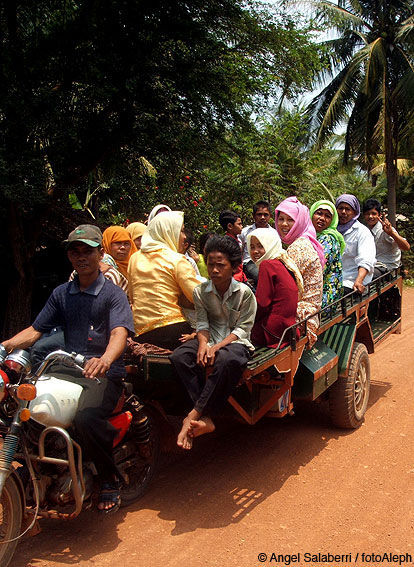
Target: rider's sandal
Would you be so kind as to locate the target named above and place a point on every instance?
(110, 492)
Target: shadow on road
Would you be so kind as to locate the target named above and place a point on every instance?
(218, 482)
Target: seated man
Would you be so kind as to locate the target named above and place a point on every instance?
(96, 319)
(225, 315)
(358, 258)
(387, 240)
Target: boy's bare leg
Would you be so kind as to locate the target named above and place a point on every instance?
(185, 437)
(201, 426)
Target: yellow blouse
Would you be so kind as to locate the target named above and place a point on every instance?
(156, 280)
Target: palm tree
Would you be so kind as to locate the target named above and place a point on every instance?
(371, 67)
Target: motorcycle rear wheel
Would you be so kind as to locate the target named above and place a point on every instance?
(10, 520)
(141, 469)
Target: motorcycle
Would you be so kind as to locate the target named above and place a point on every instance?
(42, 473)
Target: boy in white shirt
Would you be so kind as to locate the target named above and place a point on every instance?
(387, 240)
(225, 312)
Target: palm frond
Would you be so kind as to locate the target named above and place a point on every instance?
(338, 96)
(341, 15)
(405, 29)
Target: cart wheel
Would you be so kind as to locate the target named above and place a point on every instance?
(348, 397)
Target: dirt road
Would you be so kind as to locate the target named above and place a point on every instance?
(289, 486)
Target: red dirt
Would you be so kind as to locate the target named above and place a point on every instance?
(289, 486)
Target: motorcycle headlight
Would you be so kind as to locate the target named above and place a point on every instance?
(4, 380)
(19, 361)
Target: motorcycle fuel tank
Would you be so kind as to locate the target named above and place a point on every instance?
(56, 402)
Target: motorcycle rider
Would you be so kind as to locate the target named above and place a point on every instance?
(97, 320)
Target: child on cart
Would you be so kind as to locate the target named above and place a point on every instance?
(225, 311)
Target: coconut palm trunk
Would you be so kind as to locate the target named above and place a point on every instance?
(372, 83)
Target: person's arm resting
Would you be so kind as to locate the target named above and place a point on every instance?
(186, 280)
(24, 339)
(116, 346)
(358, 283)
(365, 259)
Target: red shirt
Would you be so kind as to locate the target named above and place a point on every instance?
(277, 300)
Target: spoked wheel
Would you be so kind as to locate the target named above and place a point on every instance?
(10, 520)
(348, 397)
(140, 465)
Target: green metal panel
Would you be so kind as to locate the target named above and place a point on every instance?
(340, 339)
(324, 382)
(312, 361)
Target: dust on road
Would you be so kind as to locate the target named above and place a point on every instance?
(289, 486)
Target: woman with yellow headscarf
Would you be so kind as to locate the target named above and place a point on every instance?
(136, 230)
(160, 277)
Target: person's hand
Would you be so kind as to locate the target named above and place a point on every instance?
(386, 225)
(187, 337)
(8, 345)
(359, 286)
(96, 367)
(202, 355)
(193, 254)
(211, 355)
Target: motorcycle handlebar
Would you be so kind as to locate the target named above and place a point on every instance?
(70, 359)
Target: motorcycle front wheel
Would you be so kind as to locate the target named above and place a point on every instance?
(140, 467)
(10, 520)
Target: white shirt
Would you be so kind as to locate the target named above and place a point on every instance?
(359, 253)
(388, 252)
(243, 239)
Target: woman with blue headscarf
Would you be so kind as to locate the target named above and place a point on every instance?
(325, 220)
(358, 259)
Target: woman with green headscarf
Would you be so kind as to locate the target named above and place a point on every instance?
(325, 220)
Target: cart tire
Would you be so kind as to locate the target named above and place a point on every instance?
(348, 397)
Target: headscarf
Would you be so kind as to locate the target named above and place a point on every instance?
(270, 240)
(118, 234)
(331, 229)
(155, 210)
(136, 229)
(303, 225)
(353, 202)
(163, 232)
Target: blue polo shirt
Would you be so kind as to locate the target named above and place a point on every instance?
(88, 317)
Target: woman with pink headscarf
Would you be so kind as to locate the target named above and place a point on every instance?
(295, 228)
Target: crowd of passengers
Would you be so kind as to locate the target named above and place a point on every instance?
(206, 309)
(245, 288)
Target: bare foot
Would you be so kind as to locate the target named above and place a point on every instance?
(184, 439)
(201, 426)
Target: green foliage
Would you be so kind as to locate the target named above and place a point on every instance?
(372, 83)
(92, 91)
(268, 161)
(81, 80)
